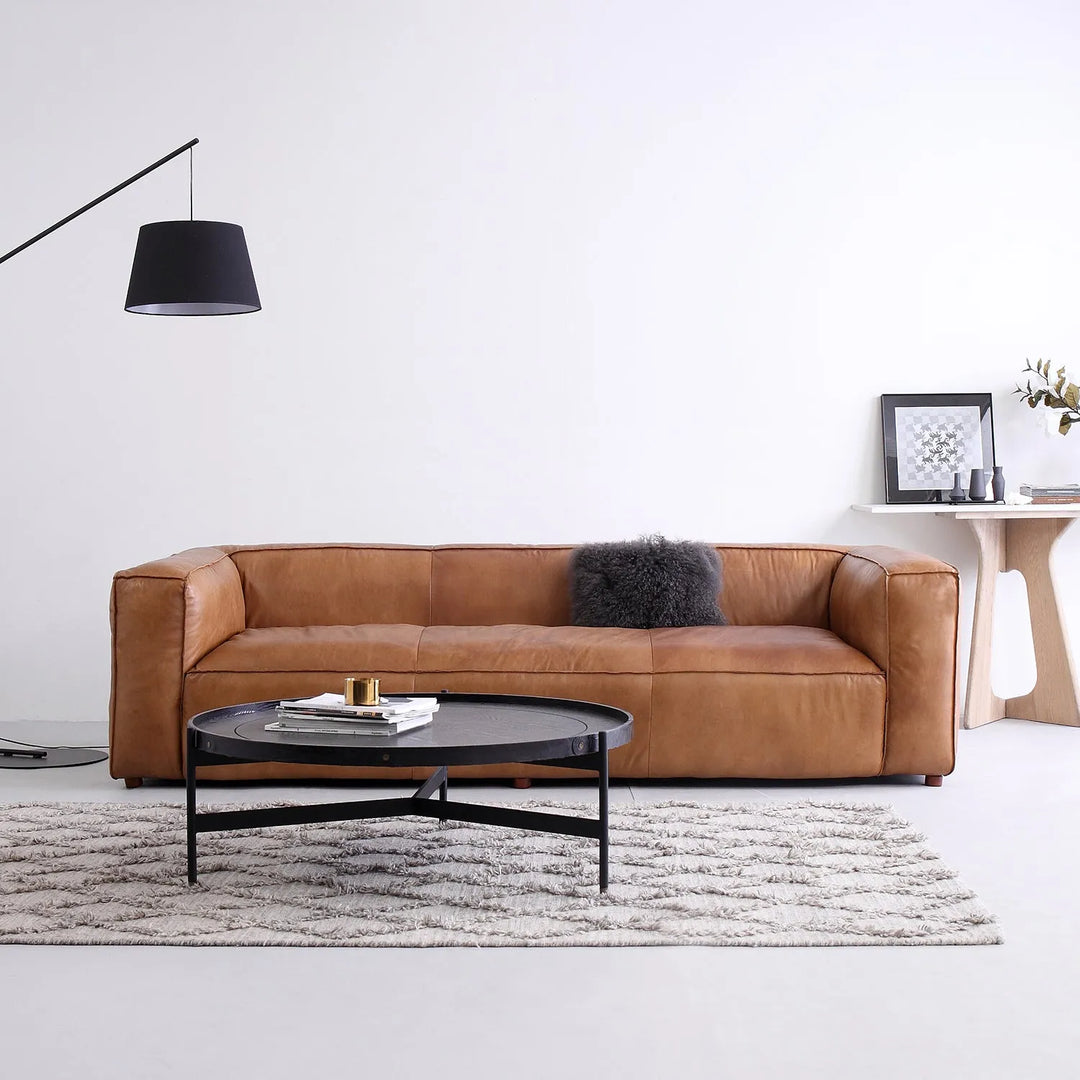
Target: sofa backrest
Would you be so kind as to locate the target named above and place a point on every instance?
(778, 584)
(334, 584)
(489, 584)
(485, 585)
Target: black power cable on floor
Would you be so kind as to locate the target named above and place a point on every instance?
(23, 755)
(62, 746)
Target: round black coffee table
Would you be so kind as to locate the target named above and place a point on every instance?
(468, 729)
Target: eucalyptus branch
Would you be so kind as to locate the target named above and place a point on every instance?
(1062, 394)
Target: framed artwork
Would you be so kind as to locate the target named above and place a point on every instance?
(929, 437)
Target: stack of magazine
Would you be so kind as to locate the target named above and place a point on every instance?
(1062, 493)
(327, 714)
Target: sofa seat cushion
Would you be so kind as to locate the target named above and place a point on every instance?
(538, 649)
(372, 647)
(790, 702)
(779, 650)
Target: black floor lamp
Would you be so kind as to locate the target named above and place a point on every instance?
(180, 268)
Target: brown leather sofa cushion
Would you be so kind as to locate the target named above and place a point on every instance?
(760, 724)
(488, 585)
(534, 649)
(345, 649)
(783, 650)
(334, 585)
(767, 701)
(778, 584)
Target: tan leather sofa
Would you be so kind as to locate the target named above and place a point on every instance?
(838, 662)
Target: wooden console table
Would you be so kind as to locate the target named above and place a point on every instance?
(1014, 538)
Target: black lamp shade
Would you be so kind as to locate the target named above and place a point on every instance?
(192, 268)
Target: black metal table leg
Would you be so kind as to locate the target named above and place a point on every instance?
(436, 780)
(192, 856)
(602, 780)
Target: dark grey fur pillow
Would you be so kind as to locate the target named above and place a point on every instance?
(645, 583)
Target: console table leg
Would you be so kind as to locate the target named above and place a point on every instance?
(982, 704)
(1029, 549)
(603, 785)
(192, 856)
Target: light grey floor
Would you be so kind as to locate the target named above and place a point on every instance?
(1008, 820)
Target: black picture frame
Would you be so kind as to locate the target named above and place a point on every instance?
(926, 438)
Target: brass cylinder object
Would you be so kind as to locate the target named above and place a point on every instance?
(362, 691)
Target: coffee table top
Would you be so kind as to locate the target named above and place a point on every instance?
(468, 729)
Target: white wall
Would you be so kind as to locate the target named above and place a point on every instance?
(593, 269)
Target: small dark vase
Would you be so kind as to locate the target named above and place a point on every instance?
(997, 485)
(977, 490)
(957, 493)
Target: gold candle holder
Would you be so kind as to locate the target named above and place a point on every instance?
(362, 690)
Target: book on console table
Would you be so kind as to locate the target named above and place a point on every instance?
(1059, 493)
(332, 706)
(317, 725)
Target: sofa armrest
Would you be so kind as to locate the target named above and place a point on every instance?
(165, 617)
(901, 609)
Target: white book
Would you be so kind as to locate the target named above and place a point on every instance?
(284, 712)
(1050, 489)
(290, 716)
(316, 726)
(334, 705)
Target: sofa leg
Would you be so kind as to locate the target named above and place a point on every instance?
(522, 782)
(932, 780)
(133, 781)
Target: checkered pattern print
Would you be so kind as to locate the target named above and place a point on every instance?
(932, 443)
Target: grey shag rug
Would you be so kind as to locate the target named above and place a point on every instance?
(796, 873)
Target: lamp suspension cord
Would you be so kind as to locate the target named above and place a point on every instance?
(191, 183)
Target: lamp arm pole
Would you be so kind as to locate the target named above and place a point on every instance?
(100, 198)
